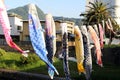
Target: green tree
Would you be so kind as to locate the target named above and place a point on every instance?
(97, 12)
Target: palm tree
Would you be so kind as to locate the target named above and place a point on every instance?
(97, 13)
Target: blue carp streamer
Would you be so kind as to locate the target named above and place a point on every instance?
(37, 37)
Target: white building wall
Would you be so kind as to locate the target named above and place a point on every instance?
(14, 23)
(117, 11)
(1, 31)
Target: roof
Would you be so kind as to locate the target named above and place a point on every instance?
(14, 15)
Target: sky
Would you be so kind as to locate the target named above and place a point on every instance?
(61, 8)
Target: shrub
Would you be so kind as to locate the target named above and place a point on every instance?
(29, 59)
(2, 52)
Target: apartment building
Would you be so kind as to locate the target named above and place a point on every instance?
(16, 27)
(20, 30)
(24, 36)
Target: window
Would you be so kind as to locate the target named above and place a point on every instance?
(10, 25)
(27, 38)
(19, 28)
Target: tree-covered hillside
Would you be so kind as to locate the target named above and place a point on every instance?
(23, 11)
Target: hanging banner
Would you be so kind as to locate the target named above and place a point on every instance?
(104, 29)
(50, 39)
(103, 24)
(79, 49)
(37, 37)
(50, 35)
(111, 27)
(96, 29)
(107, 25)
(87, 53)
(65, 50)
(109, 21)
(101, 35)
(7, 29)
(97, 45)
